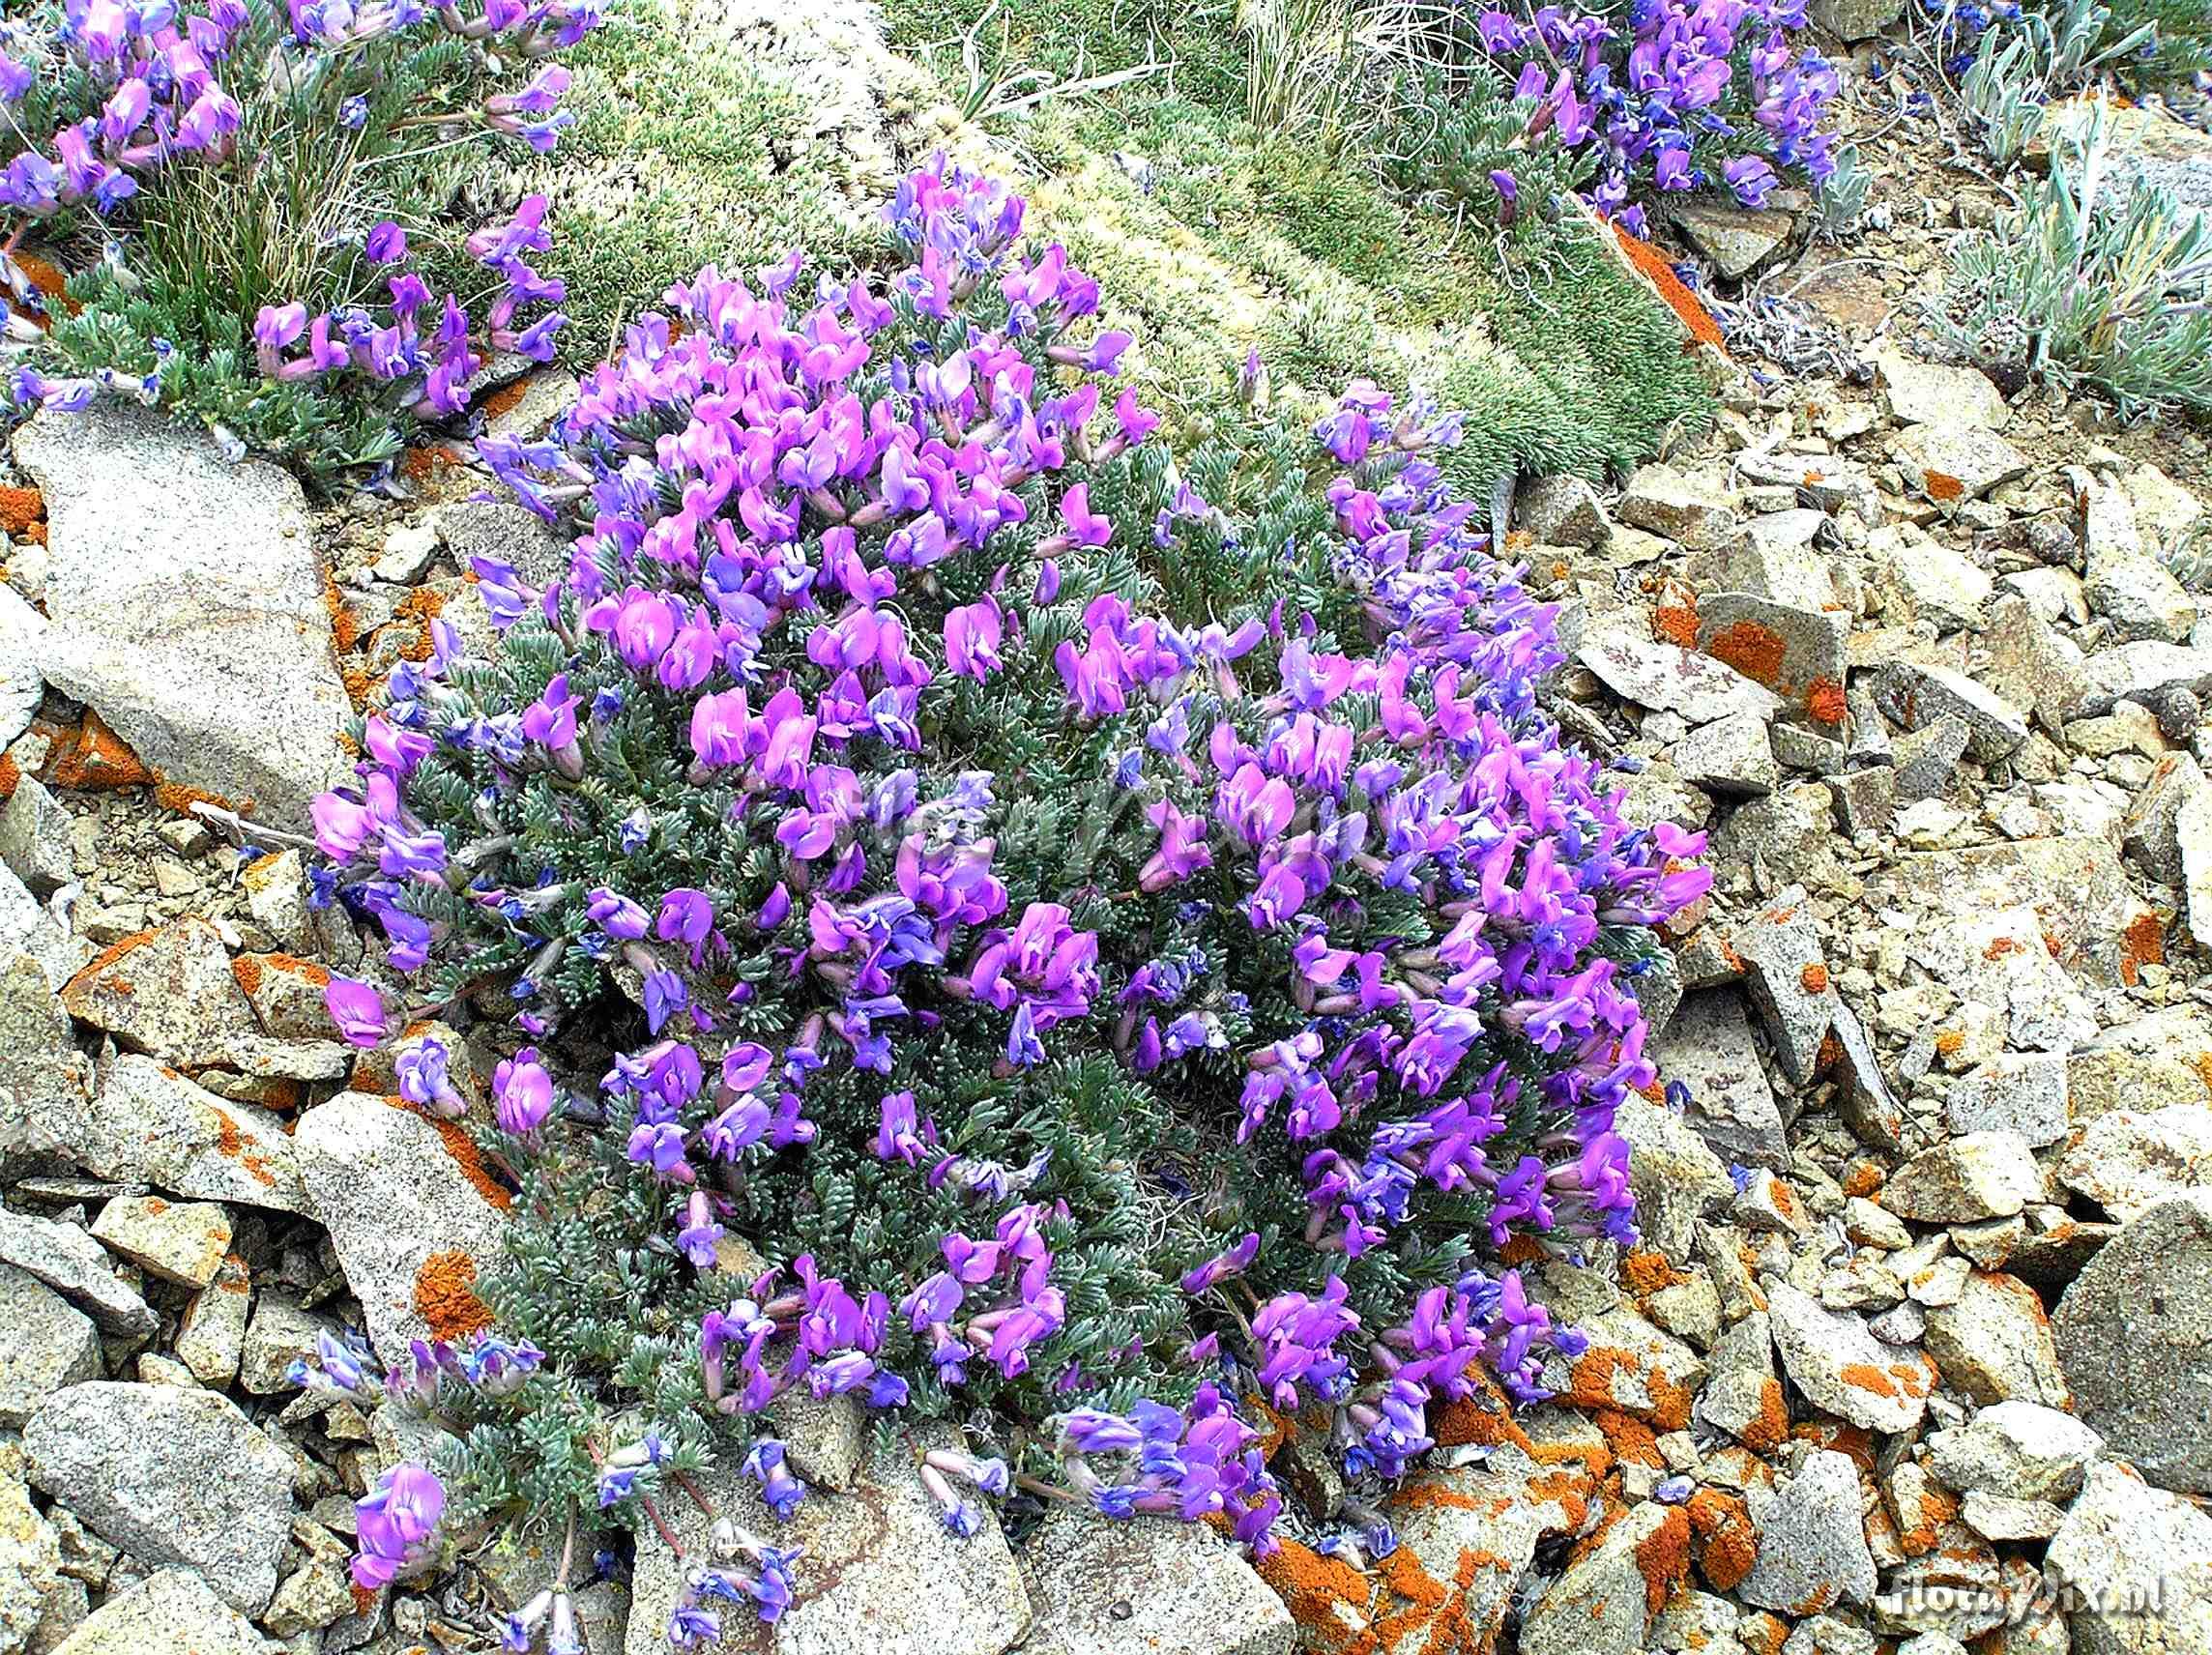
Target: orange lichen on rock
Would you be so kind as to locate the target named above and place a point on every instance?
(1941, 486)
(1770, 1427)
(1629, 1437)
(1652, 265)
(1483, 1417)
(1592, 1385)
(463, 1149)
(2141, 944)
(19, 508)
(1663, 1559)
(1647, 1272)
(98, 759)
(1754, 650)
(1949, 1042)
(1825, 700)
(1851, 1441)
(1814, 978)
(10, 775)
(345, 631)
(1676, 620)
(506, 400)
(1327, 1597)
(106, 957)
(1862, 1179)
(1726, 1543)
(445, 1296)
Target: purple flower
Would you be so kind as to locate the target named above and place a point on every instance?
(522, 1094)
(385, 244)
(358, 1010)
(394, 1523)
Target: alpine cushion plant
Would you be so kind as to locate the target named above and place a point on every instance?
(253, 173)
(1670, 96)
(1102, 946)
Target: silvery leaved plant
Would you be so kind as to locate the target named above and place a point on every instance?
(976, 915)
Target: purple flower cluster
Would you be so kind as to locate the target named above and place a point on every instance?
(812, 531)
(157, 70)
(414, 343)
(1662, 101)
(394, 1523)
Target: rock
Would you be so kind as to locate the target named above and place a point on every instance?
(1784, 839)
(73, 1265)
(2128, 1163)
(1917, 393)
(151, 1126)
(1939, 584)
(1731, 757)
(2151, 831)
(45, 1083)
(30, 1566)
(1675, 1178)
(2020, 1450)
(1559, 512)
(1708, 1048)
(1632, 1366)
(1772, 557)
(26, 928)
(1867, 1104)
(1926, 761)
(2018, 1092)
(1955, 1587)
(1996, 1344)
(411, 1211)
(880, 1574)
(1795, 652)
(45, 1344)
(1788, 976)
(186, 600)
(2145, 672)
(179, 1242)
(21, 629)
(2125, 1548)
(280, 1333)
(311, 1598)
(1913, 694)
(2192, 842)
(173, 1611)
(1866, 800)
(1811, 1548)
(168, 993)
(2133, 1333)
(2125, 581)
(134, 1462)
(1670, 678)
(35, 838)
(1843, 1368)
(2031, 666)
(1953, 462)
(1742, 1397)
(1737, 240)
(1983, 1175)
(211, 1337)
(1099, 1589)
(1995, 1518)
(1604, 1601)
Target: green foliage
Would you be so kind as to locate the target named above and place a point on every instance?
(2019, 67)
(2089, 284)
(1446, 135)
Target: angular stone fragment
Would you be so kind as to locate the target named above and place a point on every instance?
(1983, 1175)
(1670, 678)
(173, 1610)
(45, 1344)
(151, 1126)
(187, 601)
(1603, 1602)
(1937, 583)
(182, 1242)
(1708, 1048)
(1675, 1178)
(1929, 393)
(1812, 1546)
(139, 1464)
(75, 1265)
(880, 1574)
(2133, 1335)
(1685, 508)
(1795, 652)
(1953, 462)
(412, 1210)
(1914, 693)
(1845, 1369)
(1730, 756)
(168, 993)
(2141, 1560)
(2128, 1163)
(2031, 666)
(1995, 1343)
(2151, 833)
(2020, 1450)
(1096, 1588)
(2144, 672)
(1788, 975)
(2019, 1092)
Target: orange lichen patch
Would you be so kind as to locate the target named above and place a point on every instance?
(10, 775)
(1663, 1559)
(359, 683)
(1677, 622)
(1814, 978)
(1645, 1272)
(106, 957)
(1629, 1437)
(1769, 1427)
(1652, 265)
(176, 797)
(445, 1296)
(1941, 486)
(2001, 947)
(1949, 1041)
(1763, 1633)
(1591, 1385)
(363, 1598)
(1935, 1508)
(248, 971)
(2141, 944)
(1754, 650)
(1522, 1250)
(1824, 701)
(1327, 1597)
(1851, 1441)
(98, 759)
(19, 508)
(1726, 1543)
(1862, 1179)
(1483, 1418)
(505, 400)
(345, 631)
(1275, 1428)
(420, 606)
(47, 277)
(231, 1146)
